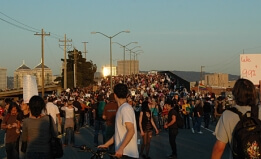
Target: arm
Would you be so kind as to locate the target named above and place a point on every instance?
(140, 124)
(218, 150)
(154, 126)
(108, 143)
(126, 140)
(173, 120)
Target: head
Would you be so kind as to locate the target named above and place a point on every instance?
(111, 97)
(169, 104)
(8, 101)
(244, 93)
(36, 105)
(50, 99)
(145, 106)
(24, 106)
(13, 108)
(121, 90)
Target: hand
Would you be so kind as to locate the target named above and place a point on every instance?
(157, 131)
(9, 126)
(14, 125)
(119, 153)
(165, 126)
(142, 133)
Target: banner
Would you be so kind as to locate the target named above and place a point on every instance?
(29, 87)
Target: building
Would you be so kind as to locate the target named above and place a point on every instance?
(217, 80)
(19, 73)
(48, 75)
(130, 67)
(3, 78)
(23, 70)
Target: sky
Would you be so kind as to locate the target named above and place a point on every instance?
(181, 35)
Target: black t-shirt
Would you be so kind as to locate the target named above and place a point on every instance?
(207, 107)
(77, 105)
(172, 112)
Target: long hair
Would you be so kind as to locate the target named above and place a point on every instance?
(244, 93)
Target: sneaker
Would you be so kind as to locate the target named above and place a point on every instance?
(192, 130)
(200, 132)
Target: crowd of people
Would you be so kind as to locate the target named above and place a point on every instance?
(154, 100)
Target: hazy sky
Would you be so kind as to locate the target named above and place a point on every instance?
(178, 35)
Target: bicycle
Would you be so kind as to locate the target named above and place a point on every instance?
(98, 154)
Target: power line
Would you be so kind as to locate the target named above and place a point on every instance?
(17, 25)
(19, 22)
(53, 35)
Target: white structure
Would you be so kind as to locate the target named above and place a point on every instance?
(3, 78)
(23, 70)
(19, 73)
(131, 67)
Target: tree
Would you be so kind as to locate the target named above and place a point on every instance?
(85, 70)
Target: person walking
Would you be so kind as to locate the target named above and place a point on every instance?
(173, 128)
(99, 122)
(146, 124)
(37, 131)
(125, 137)
(69, 122)
(207, 111)
(198, 113)
(52, 109)
(109, 115)
(25, 113)
(245, 97)
(12, 127)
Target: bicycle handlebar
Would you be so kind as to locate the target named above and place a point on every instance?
(99, 153)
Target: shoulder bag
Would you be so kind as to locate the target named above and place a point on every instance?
(55, 142)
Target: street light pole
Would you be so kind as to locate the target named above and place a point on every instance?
(124, 62)
(135, 55)
(130, 54)
(110, 37)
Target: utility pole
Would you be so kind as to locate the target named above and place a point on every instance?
(42, 35)
(85, 51)
(201, 68)
(65, 61)
(75, 67)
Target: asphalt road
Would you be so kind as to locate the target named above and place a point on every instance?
(189, 145)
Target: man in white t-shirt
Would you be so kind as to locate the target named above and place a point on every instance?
(52, 109)
(125, 137)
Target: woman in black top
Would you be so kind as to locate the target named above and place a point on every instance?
(146, 125)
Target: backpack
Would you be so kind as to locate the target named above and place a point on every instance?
(246, 137)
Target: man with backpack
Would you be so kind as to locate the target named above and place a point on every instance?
(240, 126)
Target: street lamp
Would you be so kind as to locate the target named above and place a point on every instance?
(130, 55)
(124, 62)
(136, 53)
(110, 37)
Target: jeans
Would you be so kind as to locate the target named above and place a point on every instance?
(206, 119)
(69, 132)
(11, 150)
(197, 123)
(99, 125)
(172, 140)
(77, 122)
